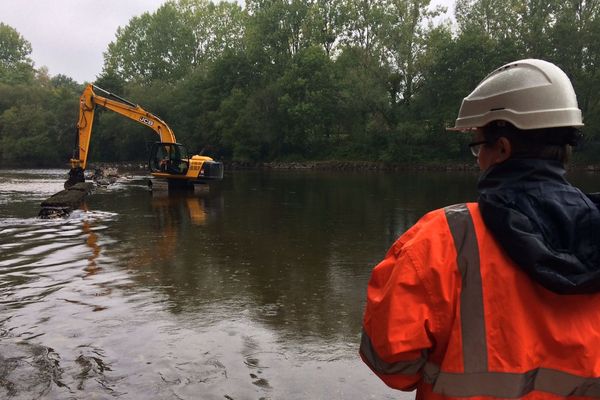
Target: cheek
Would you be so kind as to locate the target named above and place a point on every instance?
(483, 160)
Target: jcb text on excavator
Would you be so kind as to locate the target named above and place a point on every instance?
(168, 160)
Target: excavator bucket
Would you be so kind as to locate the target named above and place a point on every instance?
(75, 176)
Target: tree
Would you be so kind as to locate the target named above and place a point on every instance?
(363, 113)
(203, 100)
(63, 81)
(168, 44)
(275, 32)
(537, 20)
(152, 47)
(37, 124)
(297, 79)
(498, 20)
(217, 28)
(308, 96)
(325, 24)
(576, 49)
(363, 19)
(404, 33)
(15, 64)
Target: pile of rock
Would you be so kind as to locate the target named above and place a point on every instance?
(105, 176)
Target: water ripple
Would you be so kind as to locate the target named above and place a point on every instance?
(217, 296)
(39, 258)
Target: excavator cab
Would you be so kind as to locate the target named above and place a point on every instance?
(170, 158)
(172, 162)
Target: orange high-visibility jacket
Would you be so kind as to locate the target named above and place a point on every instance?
(450, 314)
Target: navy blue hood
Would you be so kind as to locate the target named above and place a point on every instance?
(548, 227)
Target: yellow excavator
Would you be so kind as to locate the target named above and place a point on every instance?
(169, 160)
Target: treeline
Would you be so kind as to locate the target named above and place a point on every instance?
(293, 80)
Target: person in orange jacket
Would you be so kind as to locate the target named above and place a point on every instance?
(498, 298)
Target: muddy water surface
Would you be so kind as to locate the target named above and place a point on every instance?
(252, 289)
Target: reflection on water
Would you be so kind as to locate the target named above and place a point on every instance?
(252, 289)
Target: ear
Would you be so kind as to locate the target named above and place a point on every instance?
(504, 150)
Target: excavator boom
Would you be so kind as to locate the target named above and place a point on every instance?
(87, 105)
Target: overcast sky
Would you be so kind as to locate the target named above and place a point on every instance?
(69, 36)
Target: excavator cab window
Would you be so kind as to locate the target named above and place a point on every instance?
(171, 158)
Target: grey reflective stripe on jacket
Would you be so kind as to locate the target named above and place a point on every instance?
(477, 380)
(471, 295)
(410, 367)
(509, 385)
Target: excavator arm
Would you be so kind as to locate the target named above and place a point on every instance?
(87, 105)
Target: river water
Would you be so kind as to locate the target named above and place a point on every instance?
(250, 289)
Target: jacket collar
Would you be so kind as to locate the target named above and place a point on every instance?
(521, 172)
(544, 224)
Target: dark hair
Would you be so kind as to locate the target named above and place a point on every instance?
(546, 143)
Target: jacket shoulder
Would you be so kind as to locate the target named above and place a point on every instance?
(433, 227)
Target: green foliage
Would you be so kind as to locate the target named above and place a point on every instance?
(363, 97)
(15, 64)
(37, 124)
(307, 103)
(217, 28)
(299, 79)
(574, 38)
(152, 47)
(168, 44)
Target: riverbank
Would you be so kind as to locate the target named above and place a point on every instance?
(329, 165)
(333, 165)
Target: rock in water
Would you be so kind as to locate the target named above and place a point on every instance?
(62, 203)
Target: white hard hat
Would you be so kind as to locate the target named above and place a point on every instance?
(530, 94)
